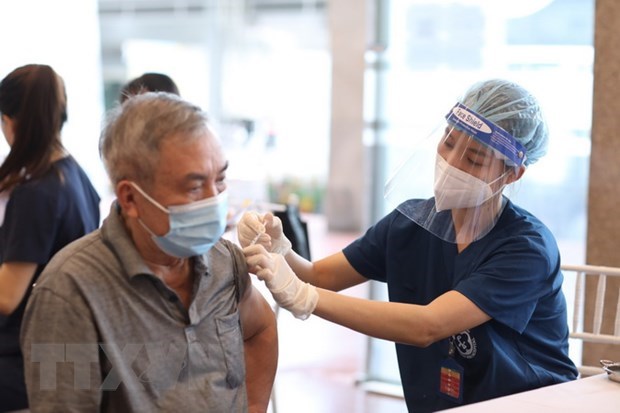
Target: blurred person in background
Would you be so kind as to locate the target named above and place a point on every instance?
(148, 82)
(47, 201)
(476, 305)
(162, 308)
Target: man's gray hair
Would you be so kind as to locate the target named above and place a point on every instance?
(130, 141)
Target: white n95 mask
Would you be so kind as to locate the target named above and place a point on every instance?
(457, 189)
(194, 227)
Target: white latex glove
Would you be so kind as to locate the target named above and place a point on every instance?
(290, 292)
(250, 229)
(265, 230)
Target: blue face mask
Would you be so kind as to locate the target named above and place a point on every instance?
(194, 227)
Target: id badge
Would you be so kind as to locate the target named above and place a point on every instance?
(451, 380)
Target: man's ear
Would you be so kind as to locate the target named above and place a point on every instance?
(126, 198)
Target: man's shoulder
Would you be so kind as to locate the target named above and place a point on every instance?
(85, 257)
(228, 254)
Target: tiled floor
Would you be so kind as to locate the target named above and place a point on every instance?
(320, 362)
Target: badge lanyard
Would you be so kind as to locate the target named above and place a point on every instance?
(451, 376)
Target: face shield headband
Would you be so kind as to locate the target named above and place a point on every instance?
(503, 144)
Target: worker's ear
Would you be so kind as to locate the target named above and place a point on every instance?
(8, 128)
(516, 174)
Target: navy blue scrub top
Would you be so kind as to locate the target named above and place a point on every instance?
(41, 217)
(512, 274)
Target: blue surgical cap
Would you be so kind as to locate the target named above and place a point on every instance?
(514, 109)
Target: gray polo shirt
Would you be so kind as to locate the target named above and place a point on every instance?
(102, 333)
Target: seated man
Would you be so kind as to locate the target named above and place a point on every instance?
(154, 311)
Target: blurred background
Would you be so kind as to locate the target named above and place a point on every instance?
(324, 99)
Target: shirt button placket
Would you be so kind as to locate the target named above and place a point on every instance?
(190, 334)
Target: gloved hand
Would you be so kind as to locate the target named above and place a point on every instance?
(264, 230)
(290, 292)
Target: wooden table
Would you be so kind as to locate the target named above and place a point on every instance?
(596, 394)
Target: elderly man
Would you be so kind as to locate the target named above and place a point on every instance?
(154, 311)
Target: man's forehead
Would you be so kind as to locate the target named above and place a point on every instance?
(189, 151)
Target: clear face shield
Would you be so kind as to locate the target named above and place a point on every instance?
(472, 160)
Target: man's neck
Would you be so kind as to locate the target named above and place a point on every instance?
(179, 277)
(176, 273)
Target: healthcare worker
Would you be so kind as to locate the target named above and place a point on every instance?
(476, 308)
(46, 201)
